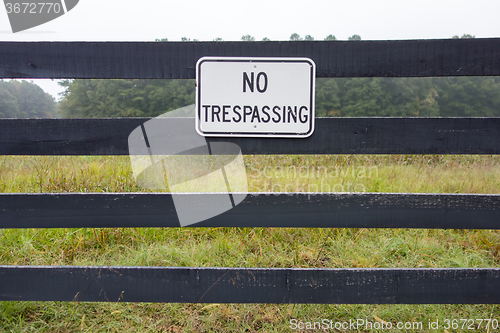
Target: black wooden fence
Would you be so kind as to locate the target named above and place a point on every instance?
(416, 58)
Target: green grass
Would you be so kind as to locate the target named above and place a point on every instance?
(247, 247)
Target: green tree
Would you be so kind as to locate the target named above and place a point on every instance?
(411, 97)
(30, 100)
(468, 96)
(168, 95)
(248, 38)
(309, 38)
(8, 104)
(295, 37)
(161, 40)
(364, 97)
(265, 39)
(464, 36)
(330, 37)
(33, 101)
(124, 98)
(354, 37)
(327, 98)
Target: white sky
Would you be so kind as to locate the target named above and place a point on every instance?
(125, 20)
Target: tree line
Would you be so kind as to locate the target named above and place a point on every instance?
(409, 97)
(23, 99)
(335, 97)
(293, 37)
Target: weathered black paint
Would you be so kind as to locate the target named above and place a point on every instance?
(332, 136)
(306, 210)
(250, 285)
(177, 60)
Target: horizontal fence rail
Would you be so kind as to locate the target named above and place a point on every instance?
(176, 60)
(306, 210)
(332, 136)
(250, 285)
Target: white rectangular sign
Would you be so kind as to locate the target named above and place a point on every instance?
(255, 97)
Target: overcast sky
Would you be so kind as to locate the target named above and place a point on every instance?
(113, 20)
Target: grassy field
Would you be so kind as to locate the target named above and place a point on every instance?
(248, 247)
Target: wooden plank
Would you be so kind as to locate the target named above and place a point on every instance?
(176, 60)
(332, 136)
(298, 210)
(251, 285)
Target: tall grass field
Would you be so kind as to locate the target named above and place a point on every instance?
(250, 247)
